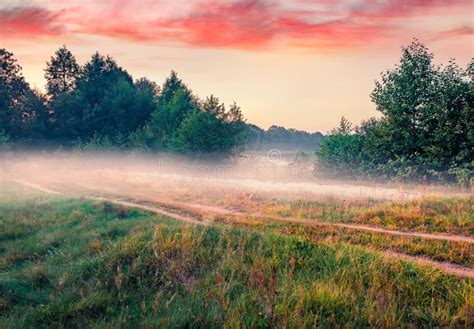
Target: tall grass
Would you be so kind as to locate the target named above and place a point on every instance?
(438, 215)
(75, 263)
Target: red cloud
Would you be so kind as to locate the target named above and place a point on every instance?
(240, 24)
(28, 22)
(403, 8)
(236, 24)
(244, 24)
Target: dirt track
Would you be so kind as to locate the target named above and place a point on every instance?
(446, 267)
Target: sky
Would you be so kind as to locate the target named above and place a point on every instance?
(296, 63)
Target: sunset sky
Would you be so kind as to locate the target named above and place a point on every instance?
(297, 63)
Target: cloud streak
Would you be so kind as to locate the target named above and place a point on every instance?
(241, 24)
(29, 22)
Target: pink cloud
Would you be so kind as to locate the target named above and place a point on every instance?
(242, 24)
(239, 24)
(463, 31)
(28, 22)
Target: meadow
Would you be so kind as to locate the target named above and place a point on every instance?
(75, 262)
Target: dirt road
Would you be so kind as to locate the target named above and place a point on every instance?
(446, 267)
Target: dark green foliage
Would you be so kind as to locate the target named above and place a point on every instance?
(426, 129)
(68, 109)
(107, 91)
(341, 149)
(146, 97)
(98, 106)
(104, 109)
(174, 104)
(9, 77)
(105, 103)
(12, 90)
(183, 123)
(34, 121)
(210, 130)
(62, 72)
(23, 115)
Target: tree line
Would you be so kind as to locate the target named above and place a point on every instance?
(99, 105)
(426, 128)
(277, 137)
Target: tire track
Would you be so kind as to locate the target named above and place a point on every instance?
(446, 267)
(358, 227)
(155, 210)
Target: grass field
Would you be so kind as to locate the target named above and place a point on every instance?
(75, 262)
(304, 218)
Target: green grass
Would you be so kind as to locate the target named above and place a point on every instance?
(461, 253)
(76, 263)
(434, 215)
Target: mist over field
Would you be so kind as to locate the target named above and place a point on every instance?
(273, 172)
(159, 234)
(236, 164)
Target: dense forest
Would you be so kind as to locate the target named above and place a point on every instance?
(426, 128)
(100, 106)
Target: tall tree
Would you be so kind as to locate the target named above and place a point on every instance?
(147, 93)
(12, 88)
(174, 104)
(171, 86)
(68, 114)
(61, 72)
(33, 122)
(452, 119)
(210, 129)
(214, 107)
(405, 97)
(426, 130)
(102, 78)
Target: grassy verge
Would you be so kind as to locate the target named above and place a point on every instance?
(461, 253)
(453, 215)
(82, 263)
(433, 215)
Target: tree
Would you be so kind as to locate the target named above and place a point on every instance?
(426, 130)
(171, 86)
(61, 73)
(345, 127)
(34, 121)
(105, 103)
(147, 96)
(22, 111)
(405, 96)
(12, 90)
(68, 116)
(107, 93)
(340, 151)
(200, 132)
(454, 116)
(174, 104)
(213, 106)
(210, 129)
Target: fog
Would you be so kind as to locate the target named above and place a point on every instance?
(205, 181)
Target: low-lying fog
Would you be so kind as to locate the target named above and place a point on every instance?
(272, 174)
